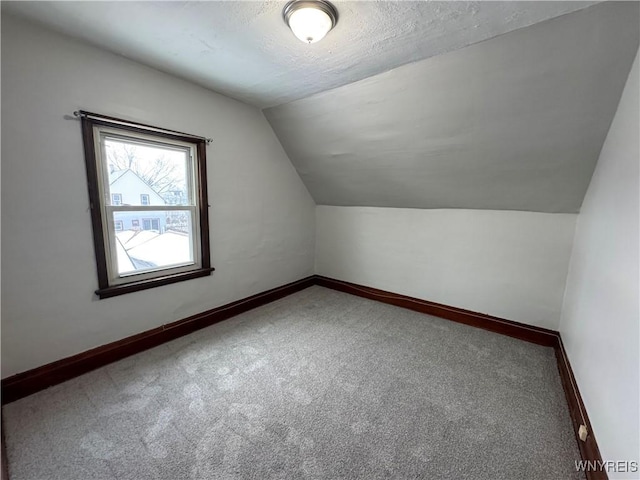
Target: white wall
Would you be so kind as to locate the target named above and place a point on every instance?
(262, 217)
(600, 323)
(504, 263)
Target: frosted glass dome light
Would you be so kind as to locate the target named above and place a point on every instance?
(310, 20)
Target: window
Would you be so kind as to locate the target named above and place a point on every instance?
(139, 245)
(151, 224)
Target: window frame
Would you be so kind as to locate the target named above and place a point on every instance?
(107, 285)
(145, 195)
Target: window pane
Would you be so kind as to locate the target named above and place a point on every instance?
(145, 174)
(150, 240)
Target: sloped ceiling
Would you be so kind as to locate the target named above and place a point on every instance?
(244, 50)
(515, 123)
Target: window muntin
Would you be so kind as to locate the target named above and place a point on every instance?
(159, 183)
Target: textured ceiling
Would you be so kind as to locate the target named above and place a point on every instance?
(244, 50)
(494, 105)
(515, 123)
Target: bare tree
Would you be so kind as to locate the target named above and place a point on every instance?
(161, 174)
(121, 156)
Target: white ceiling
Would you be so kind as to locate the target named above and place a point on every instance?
(513, 123)
(244, 50)
(494, 105)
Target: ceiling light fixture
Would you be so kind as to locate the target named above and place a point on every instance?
(310, 20)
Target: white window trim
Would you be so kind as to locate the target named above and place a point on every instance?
(107, 210)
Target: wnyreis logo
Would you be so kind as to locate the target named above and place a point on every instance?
(618, 466)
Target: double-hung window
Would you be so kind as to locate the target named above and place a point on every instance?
(148, 196)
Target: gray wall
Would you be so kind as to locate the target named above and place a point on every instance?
(601, 314)
(262, 216)
(512, 123)
(509, 264)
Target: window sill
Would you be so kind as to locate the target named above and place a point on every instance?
(116, 290)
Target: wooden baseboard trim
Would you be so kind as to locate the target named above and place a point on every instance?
(32, 381)
(5, 462)
(529, 333)
(589, 450)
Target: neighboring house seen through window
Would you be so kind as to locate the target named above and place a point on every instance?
(154, 230)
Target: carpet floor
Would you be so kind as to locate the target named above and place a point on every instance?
(318, 385)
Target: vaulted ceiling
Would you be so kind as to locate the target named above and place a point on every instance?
(513, 123)
(244, 50)
(495, 105)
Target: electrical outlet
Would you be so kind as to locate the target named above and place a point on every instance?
(583, 432)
